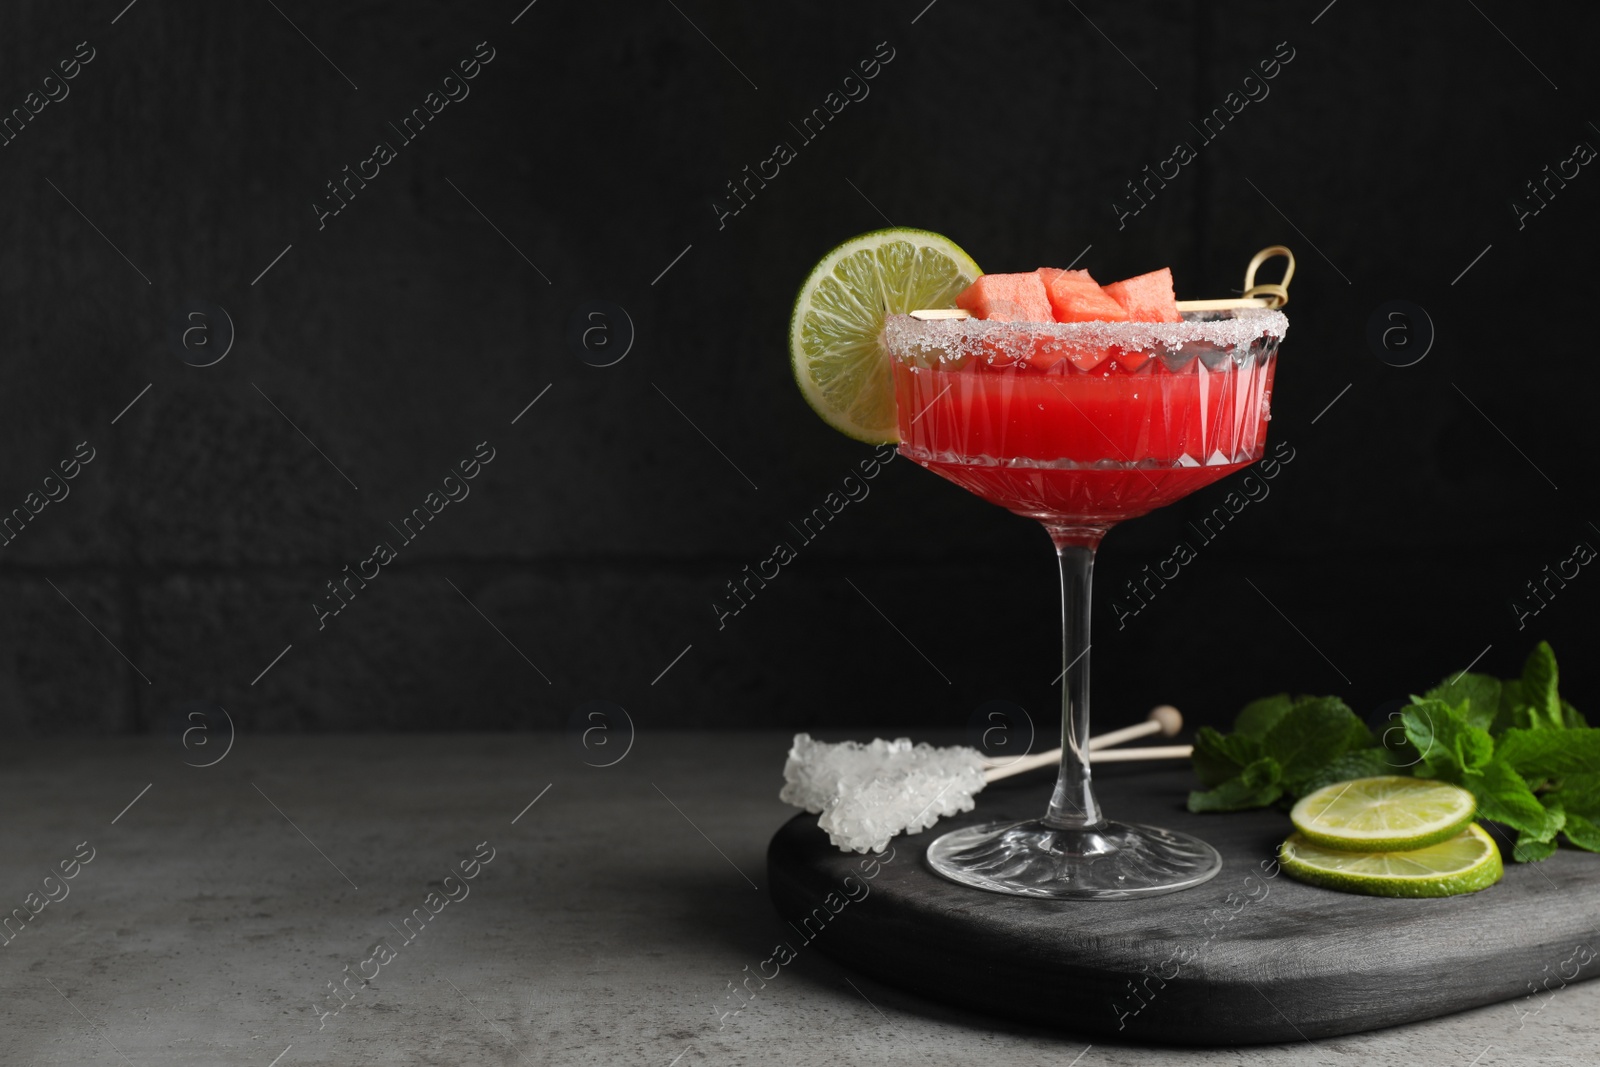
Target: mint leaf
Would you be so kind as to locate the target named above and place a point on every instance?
(1505, 716)
(1504, 797)
(1218, 757)
(1363, 763)
(1529, 758)
(1450, 747)
(1530, 850)
(1541, 702)
(1580, 794)
(1572, 717)
(1546, 753)
(1315, 731)
(1533, 846)
(1402, 755)
(1259, 716)
(1479, 692)
(1583, 832)
(1255, 787)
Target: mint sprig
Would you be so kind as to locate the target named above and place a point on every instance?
(1527, 755)
(1278, 746)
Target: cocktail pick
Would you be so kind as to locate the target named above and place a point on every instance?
(1265, 295)
(868, 793)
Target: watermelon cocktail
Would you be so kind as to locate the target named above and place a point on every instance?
(1079, 425)
(1059, 424)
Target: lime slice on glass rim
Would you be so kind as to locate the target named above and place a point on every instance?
(1385, 814)
(1465, 863)
(834, 344)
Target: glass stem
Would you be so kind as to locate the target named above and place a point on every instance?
(1073, 805)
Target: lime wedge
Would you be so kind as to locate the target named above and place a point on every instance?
(1385, 814)
(1465, 863)
(834, 343)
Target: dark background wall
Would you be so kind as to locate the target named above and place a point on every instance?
(380, 349)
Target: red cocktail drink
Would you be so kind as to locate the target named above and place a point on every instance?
(1058, 422)
(1080, 425)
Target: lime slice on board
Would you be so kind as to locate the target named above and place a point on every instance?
(1386, 814)
(834, 344)
(1465, 863)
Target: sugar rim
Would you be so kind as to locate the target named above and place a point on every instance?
(1223, 329)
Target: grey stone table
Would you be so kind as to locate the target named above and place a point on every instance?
(216, 912)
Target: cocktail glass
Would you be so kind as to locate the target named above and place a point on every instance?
(1080, 426)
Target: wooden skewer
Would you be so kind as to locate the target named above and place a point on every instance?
(1266, 295)
(1124, 755)
(1232, 303)
(1115, 755)
(1165, 720)
(1227, 304)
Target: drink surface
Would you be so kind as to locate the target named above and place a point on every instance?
(1020, 423)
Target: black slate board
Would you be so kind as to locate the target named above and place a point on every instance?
(1249, 957)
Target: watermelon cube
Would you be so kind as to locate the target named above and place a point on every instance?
(1007, 298)
(1146, 298)
(1076, 297)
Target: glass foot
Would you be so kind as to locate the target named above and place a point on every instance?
(1112, 861)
